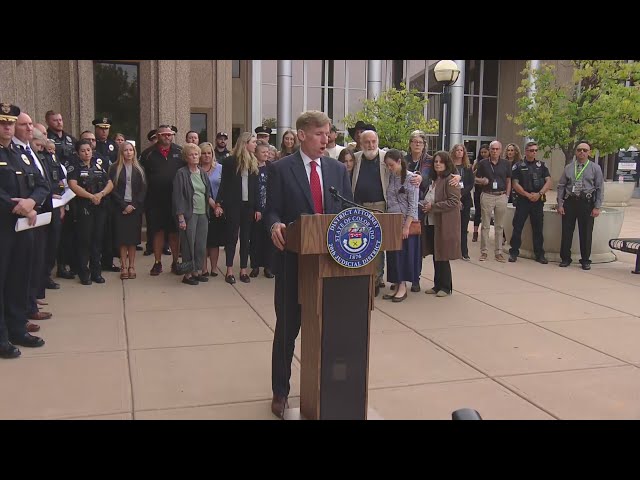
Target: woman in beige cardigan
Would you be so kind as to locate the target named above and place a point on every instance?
(441, 234)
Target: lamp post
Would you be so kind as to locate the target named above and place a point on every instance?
(446, 72)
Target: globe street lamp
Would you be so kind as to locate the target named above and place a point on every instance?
(447, 73)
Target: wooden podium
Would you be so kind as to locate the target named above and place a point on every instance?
(336, 304)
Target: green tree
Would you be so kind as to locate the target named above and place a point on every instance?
(269, 122)
(395, 113)
(596, 106)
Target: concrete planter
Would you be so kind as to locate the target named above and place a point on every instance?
(607, 226)
(617, 194)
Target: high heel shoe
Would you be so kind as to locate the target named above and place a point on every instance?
(124, 274)
(132, 273)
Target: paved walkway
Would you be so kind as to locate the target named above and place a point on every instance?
(515, 341)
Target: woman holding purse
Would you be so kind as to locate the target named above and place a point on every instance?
(441, 237)
(402, 197)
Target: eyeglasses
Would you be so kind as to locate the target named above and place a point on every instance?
(417, 142)
(582, 149)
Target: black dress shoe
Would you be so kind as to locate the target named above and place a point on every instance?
(86, 281)
(513, 258)
(254, 272)
(415, 287)
(147, 253)
(268, 273)
(201, 278)
(112, 268)
(214, 274)
(27, 340)
(244, 278)
(99, 278)
(8, 351)
(586, 266)
(388, 296)
(166, 251)
(190, 280)
(51, 285)
(542, 260)
(564, 263)
(399, 299)
(230, 279)
(66, 274)
(278, 405)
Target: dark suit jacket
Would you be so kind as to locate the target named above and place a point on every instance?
(230, 191)
(138, 188)
(289, 192)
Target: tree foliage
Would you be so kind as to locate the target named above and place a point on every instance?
(596, 106)
(395, 114)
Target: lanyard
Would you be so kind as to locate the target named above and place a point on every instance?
(578, 175)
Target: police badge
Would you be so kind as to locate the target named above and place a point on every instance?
(25, 159)
(99, 163)
(69, 139)
(111, 147)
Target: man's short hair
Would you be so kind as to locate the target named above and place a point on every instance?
(49, 114)
(530, 144)
(312, 118)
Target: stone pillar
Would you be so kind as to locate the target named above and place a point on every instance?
(284, 97)
(223, 99)
(374, 78)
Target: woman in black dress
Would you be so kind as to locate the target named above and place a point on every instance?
(128, 200)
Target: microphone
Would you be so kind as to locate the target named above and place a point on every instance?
(336, 195)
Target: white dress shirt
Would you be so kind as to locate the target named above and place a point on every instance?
(33, 155)
(307, 166)
(335, 151)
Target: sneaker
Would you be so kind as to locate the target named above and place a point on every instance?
(442, 293)
(156, 269)
(500, 258)
(483, 257)
(513, 258)
(466, 258)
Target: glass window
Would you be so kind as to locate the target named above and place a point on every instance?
(489, 116)
(315, 73)
(433, 84)
(472, 77)
(433, 106)
(269, 102)
(117, 96)
(314, 98)
(338, 69)
(357, 74)
(336, 107)
(490, 80)
(269, 71)
(356, 97)
(397, 73)
(199, 124)
(470, 120)
(296, 72)
(235, 68)
(471, 146)
(296, 104)
(416, 75)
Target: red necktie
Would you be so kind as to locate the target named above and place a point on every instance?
(316, 190)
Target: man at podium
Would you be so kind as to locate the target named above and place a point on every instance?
(297, 185)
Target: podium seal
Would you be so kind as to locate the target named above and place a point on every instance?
(354, 238)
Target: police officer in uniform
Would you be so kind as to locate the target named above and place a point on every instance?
(221, 150)
(263, 133)
(65, 153)
(90, 182)
(106, 149)
(22, 189)
(580, 192)
(531, 180)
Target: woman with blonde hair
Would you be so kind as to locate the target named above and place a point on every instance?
(463, 168)
(191, 202)
(288, 145)
(129, 190)
(216, 236)
(513, 154)
(237, 200)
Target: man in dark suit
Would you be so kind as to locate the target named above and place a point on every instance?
(297, 185)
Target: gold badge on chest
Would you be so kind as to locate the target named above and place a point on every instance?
(25, 159)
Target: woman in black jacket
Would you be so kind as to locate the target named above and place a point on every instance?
(237, 200)
(467, 179)
(130, 188)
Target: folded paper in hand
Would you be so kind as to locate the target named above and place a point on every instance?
(66, 198)
(42, 219)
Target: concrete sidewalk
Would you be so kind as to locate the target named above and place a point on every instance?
(515, 341)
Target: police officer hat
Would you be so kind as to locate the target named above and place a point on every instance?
(262, 130)
(222, 134)
(360, 125)
(152, 134)
(9, 112)
(102, 122)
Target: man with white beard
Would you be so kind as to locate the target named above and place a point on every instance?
(369, 184)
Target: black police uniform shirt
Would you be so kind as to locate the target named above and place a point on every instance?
(55, 170)
(19, 178)
(93, 178)
(65, 146)
(108, 150)
(43, 169)
(530, 175)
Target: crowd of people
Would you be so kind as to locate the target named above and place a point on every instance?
(201, 196)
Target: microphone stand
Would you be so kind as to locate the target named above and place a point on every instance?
(336, 195)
